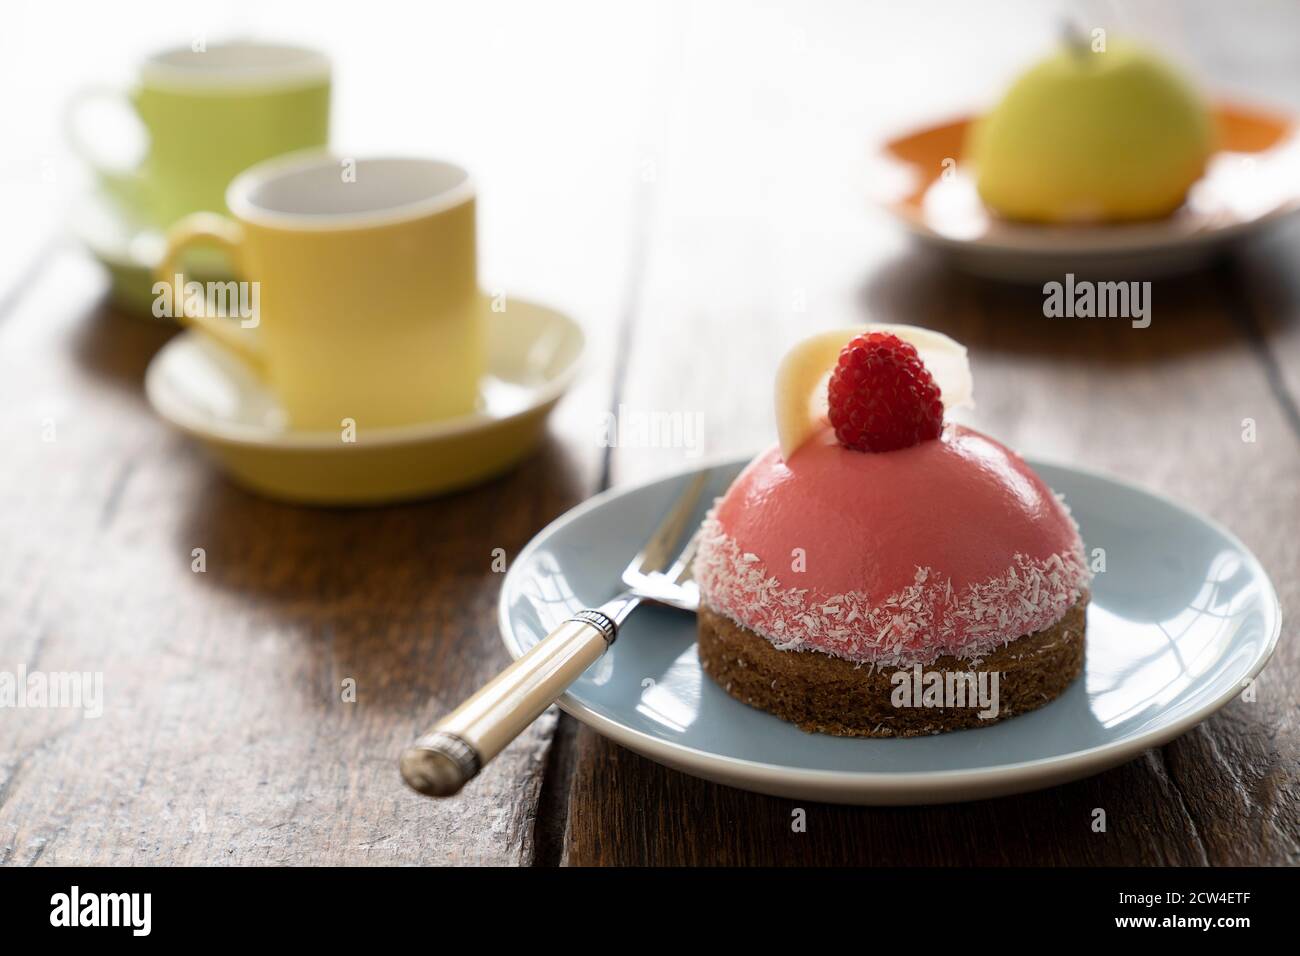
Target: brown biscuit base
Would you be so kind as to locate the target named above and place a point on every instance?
(830, 695)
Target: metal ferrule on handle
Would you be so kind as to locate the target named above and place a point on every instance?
(454, 750)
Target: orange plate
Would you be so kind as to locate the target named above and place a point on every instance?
(1254, 177)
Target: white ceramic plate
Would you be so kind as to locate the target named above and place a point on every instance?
(1251, 183)
(1182, 618)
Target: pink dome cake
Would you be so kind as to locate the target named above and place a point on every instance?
(835, 579)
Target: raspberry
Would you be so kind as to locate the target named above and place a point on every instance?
(881, 396)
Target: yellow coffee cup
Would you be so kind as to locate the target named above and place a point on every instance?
(363, 274)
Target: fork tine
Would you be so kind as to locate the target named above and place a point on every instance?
(658, 548)
(681, 568)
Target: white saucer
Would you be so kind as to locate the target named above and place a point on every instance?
(1252, 182)
(211, 394)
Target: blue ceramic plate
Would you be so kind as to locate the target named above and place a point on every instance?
(1182, 618)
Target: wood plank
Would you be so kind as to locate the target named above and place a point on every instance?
(1161, 406)
(224, 736)
(761, 236)
(224, 739)
(1267, 303)
(703, 184)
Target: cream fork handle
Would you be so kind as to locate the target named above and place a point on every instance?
(455, 749)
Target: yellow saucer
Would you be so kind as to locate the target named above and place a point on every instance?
(211, 394)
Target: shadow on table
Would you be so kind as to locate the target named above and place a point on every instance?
(401, 598)
(1191, 314)
(1146, 819)
(115, 348)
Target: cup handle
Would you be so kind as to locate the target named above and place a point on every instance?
(119, 182)
(208, 228)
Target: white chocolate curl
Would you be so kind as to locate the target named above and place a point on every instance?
(801, 404)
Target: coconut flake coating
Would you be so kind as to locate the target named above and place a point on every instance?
(953, 546)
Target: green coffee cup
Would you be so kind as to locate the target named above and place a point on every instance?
(208, 114)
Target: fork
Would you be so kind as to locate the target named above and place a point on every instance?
(454, 750)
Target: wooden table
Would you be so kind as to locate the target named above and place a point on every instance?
(690, 189)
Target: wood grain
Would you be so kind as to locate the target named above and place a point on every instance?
(225, 739)
(1162, 406)
(225, 736)
(691, 190)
